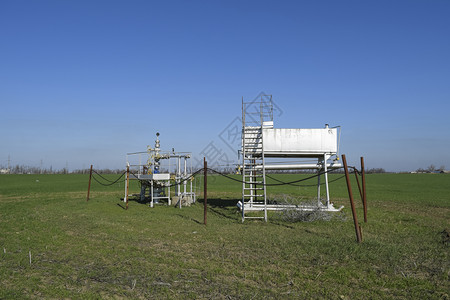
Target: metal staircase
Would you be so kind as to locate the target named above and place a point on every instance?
(254, 116)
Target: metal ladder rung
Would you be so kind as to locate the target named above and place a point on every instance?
(253, 152)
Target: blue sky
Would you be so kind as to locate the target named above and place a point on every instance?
(85, 82)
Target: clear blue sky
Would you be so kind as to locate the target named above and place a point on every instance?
(86, 82)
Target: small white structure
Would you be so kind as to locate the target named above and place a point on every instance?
(156, 178)
(262, 142)
(4, 171)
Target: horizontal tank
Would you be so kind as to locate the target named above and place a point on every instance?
(299, 142)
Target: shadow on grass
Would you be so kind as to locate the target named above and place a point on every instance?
(222, 203)
(281, 224)
(222, 206)
(190, 219)
(120, 205)
(219, 206)
(146, 201)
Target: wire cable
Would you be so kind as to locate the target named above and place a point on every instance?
(174, 184)
(305, 185)
(106, 179)
(110, 182)
(272, 184)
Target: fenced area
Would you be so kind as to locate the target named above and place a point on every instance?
(55, 244)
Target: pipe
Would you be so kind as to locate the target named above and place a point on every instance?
(127, 185)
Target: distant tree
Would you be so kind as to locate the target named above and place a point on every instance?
(441, 168)
(431, 168)
(376, 170)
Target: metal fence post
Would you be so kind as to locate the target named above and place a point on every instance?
(89, 186)
(205, 188)
(350, 195)
(363, 175)
(128, 182)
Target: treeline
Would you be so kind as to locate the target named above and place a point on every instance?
(313, 171)
(431, 169)
(22, 169)
(102, 171)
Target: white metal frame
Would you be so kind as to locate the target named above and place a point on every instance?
(285, 147)
(176, 178)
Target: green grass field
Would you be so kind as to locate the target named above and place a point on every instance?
(97, 249)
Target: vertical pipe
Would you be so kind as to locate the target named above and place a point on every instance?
(327, 189)
(128, 185)
(205, 188)
(191, 179)
(363, 175)
(89, 186)
(125, 187)
(185, 175)
(179, 176)
(350, 195)
(180, 198)
(318, 184)
(169, 201)
(151, 193)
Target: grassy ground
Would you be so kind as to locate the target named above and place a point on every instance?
(97, 249)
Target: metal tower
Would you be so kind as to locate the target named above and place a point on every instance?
(255, 116)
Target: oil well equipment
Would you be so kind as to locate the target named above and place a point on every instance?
(264, 147)
(157, 172)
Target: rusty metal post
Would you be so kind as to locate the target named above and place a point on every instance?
(363, 175)
(89, 186)
(359, 186)
(205, 188)
(350, 195)
(128, 184)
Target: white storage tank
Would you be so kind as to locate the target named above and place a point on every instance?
(300, 142)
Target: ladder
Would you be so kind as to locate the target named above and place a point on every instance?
(253, 165)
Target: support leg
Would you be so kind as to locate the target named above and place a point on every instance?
(325, 158)
(318, 186)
